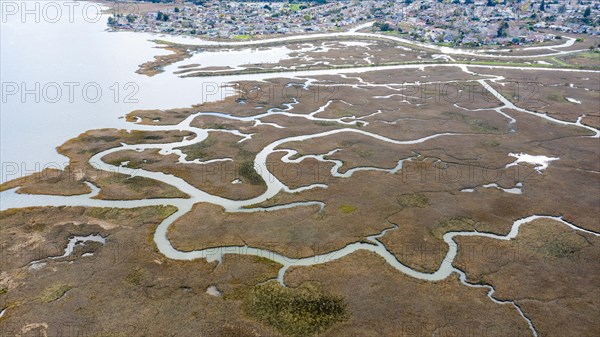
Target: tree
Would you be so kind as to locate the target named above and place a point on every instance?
(543, 6)
(562, 9)
(502, 30)
(160, 16)
(176, 9)
(491, 3)
(587, 13)
(385, 27)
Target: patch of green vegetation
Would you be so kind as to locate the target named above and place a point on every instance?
(137, 183)
(419, 200)
(482, 126)
(455, 115)
(245, 154)
(365, 154)
(458, 223)
(132, 164)
(242, 37)
(579, 130)
(564, 246)
(347, 209)
(141, 213)
(342, 113)
(38, 227)
(482, 280)
(583, 58)
(559, 61)
(104, 213)
(324, 123)
(249, 173)
(264, 260)
(99, 139)
(135, 277)
(299, 311)
(489, 143)
(218, 126)
(165, 211)
(55, 292)
(477, 125)
(556, 97)
(590, 55)
(198, 150)
(294, 7)
(3, 291)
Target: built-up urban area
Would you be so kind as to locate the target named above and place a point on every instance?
(449, 22)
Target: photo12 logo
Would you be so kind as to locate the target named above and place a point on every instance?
(68, 92)
(50, 11)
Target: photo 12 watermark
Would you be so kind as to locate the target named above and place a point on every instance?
(69, 92)
(50, 11)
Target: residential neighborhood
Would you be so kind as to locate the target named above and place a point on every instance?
(453, 23)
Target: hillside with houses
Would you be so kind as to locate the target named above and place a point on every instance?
(453, 23)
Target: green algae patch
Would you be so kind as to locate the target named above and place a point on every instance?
(55, 292)
(563, 246)
(419, 200)
(135, 277)
(301, 311)
(347, 209)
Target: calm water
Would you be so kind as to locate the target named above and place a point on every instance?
(54, 61)
(52, 54)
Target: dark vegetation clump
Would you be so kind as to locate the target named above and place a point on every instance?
(198, 150)
(413, 200)
(249, 173)
(301, 311)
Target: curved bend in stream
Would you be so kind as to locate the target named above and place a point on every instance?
(11, 199)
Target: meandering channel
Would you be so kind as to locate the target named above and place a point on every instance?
(12, 199)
